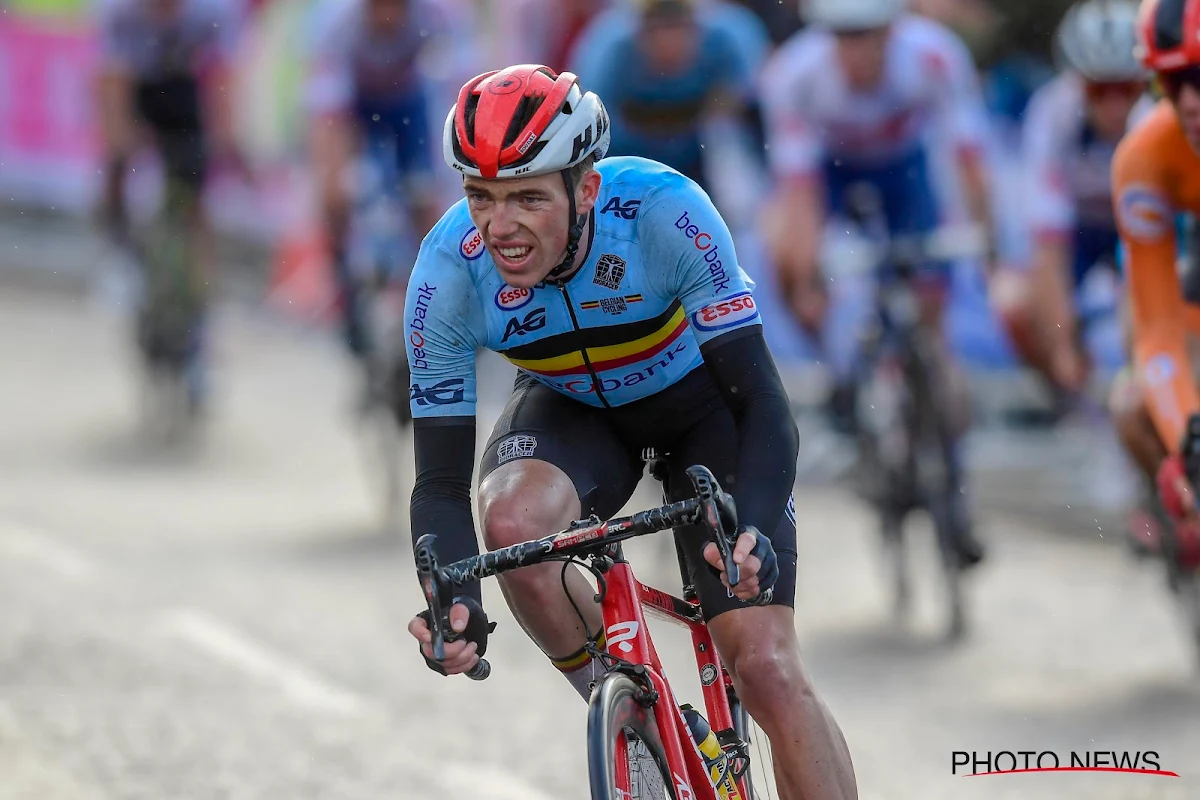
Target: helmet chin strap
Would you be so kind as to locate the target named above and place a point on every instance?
(574, 232)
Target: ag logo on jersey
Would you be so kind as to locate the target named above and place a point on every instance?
(534, 320)
(448, 392)
(471, 246)
(610, 271)
(726, 313)
(1144, 212)
(510, 299)
(626, 210)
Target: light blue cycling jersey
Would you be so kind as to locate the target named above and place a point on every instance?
(660, 278)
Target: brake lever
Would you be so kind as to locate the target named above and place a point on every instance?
(427, 574)
(712, 502)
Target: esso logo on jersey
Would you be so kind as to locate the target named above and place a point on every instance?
(510, 299)
(726, 313)
(472, 245)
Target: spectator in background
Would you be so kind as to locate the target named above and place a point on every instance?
(663, 77)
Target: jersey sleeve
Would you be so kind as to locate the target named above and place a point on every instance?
(962, 116)
(1145, 217)
(794, 144)
(692, 253)
(442, 331)
(1051, 212)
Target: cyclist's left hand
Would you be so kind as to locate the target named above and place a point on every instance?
(755, 557)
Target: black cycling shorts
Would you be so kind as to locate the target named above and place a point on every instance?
(600, 450)
(171, 108)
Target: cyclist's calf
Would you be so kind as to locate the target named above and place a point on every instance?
(760, 649)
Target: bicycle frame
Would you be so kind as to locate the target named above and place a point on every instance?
(626, 602)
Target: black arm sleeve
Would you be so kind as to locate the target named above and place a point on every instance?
(768, 440)
(441, 498)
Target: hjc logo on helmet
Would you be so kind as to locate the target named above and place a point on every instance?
(584, 140)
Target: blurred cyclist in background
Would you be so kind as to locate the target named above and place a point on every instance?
(544, 31)
(1071, 130)
(163, 79)
(663, 78)
(366, 93)
(1156, 176)
(856, 99)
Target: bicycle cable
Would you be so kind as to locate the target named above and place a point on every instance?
(603, 587)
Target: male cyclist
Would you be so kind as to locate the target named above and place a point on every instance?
(615, 289)
(163, 75)
(1156, 175)
(366, 92)
(856, 99)
(1070, 133)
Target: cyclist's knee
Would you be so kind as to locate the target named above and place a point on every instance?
(524, 500)
(769, 675)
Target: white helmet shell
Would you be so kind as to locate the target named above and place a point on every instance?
(852, 14)
(1097, 39)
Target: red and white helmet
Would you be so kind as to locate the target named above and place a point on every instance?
(523, 121)
(1169, 34)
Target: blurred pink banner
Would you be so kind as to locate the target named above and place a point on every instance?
(48, 137)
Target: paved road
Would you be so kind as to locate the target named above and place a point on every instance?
(226, 621)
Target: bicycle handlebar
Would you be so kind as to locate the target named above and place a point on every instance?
(711, 507)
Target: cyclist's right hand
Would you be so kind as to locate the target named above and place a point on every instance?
(460, 655)
(470, 627)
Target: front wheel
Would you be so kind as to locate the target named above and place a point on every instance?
(625, 753)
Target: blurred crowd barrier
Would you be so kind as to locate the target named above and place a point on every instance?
(50, 156)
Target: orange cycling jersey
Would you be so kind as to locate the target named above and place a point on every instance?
(1156, 175)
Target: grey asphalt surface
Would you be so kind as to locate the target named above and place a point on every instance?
(226, 619)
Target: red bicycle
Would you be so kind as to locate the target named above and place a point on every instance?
(640, 745)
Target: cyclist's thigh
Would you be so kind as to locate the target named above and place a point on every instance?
(714, 443)
(540, 423)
